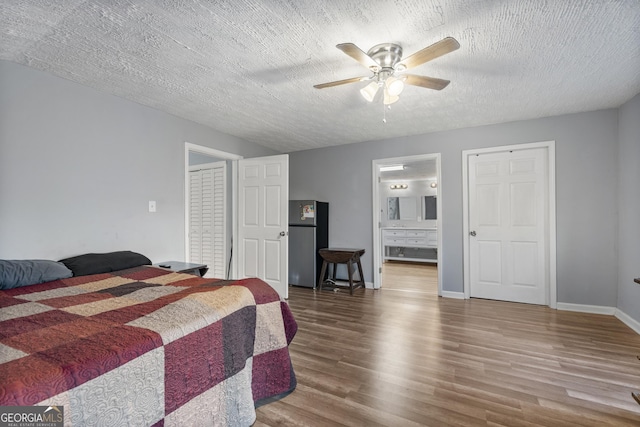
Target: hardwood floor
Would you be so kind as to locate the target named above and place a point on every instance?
(410, 276)
(388, 358)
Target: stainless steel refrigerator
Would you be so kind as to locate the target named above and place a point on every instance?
(308, 232)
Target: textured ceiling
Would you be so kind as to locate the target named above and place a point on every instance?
(247, 67)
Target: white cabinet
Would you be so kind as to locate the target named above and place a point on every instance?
(410, 244)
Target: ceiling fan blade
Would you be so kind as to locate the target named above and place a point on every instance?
(444, 46)
(359, 55)
(424, 81)
(340, 82)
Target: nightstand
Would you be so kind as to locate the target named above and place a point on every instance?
(184, 267)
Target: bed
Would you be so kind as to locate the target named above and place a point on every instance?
(145, 346)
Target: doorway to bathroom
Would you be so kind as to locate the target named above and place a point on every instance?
(406, 218)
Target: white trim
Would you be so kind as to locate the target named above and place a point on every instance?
(602, 309)
(454, 295)
(441, 261)
(234, 199)
(201, 166)
(209, 152)
(551, 165)
(628, 320)
(375, 209)
(584, 308)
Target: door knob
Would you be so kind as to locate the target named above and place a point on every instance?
(473, 233)
(282, 233)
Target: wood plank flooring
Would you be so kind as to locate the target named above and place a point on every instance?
(388, 358)
(410, 276)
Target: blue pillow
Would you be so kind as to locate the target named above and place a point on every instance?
(16, 273)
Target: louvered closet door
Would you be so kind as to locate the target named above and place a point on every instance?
(195, 217)
(218, 224)
(207, 238)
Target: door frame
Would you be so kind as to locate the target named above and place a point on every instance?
(223, 155)
(377, 238)
(550, 234)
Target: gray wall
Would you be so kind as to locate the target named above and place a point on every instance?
(586, 175)
(78, 167)
(629, 208)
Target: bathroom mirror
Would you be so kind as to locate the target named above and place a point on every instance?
(402, 208)
(430, 207)
(410, 208)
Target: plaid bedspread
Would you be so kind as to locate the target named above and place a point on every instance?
(144, 347)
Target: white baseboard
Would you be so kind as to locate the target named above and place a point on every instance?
(455, 295)
(598, 309)
(628, 320)
(583, 308)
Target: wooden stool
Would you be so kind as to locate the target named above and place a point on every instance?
(342, 256)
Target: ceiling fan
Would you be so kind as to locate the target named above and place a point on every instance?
(386, 63)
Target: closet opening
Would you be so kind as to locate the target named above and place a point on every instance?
(210, 205)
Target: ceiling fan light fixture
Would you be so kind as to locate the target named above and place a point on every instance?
(369, 91)
(390, 99)
(394, 86)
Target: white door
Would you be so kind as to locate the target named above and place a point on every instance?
(263, 194)
(207, 217)
(507, 226)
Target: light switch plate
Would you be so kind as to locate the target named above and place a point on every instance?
(152, 206)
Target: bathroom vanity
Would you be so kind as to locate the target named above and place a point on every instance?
(410, 244)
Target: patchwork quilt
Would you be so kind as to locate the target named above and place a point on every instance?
(146, 347)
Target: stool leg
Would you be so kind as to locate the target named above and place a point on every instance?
(360, 273)
(350, 267)
(322, 272)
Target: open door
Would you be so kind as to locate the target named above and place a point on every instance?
(263, 226)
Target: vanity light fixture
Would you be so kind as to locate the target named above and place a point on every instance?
(398, 186)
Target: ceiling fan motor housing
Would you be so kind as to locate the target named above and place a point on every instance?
(387, 55)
